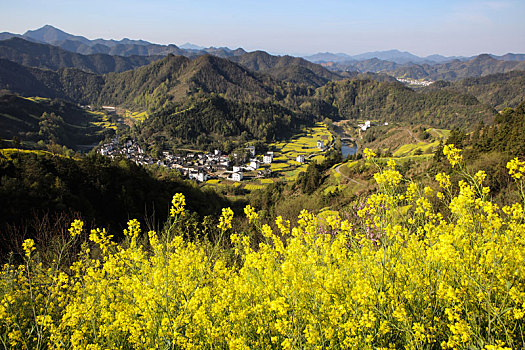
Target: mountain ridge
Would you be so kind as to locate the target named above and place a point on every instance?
(53, 57)
(80, 44)
(124, 47)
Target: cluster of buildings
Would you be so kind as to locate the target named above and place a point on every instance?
(414, 82)
(196, 166)
(129, 149)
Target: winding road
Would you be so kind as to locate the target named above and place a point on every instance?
(337, 170)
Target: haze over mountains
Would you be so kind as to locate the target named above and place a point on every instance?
(125, 47)
(217, 94)
(128, 47)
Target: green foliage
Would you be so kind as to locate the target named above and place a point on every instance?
(213, 120)
(100, 189)
(393, 102)
(46, 122)
(497, 90)
(287, 68)
(507, 134)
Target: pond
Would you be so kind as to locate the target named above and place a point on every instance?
(348, 150)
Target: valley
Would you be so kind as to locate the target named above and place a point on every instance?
(191, 197)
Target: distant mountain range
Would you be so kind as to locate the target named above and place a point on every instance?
(478, 66)
(125, 47)
(284, 68)
(47, 56)
(254, 83)
(205, 99)
(399, 57)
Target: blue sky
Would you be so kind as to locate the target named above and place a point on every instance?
(423, 27)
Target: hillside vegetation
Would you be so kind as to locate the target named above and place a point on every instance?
(258, 98)
(498, 90)
(47, 121)
(384, 101)
(100, 190)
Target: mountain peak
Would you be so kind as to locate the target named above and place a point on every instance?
(190, 46)
(484, 57)
(49, 34)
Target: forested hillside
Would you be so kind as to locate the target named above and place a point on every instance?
(498, 90)
(47, 122)
(286, 68)
(70, 84)
(54, 58)
(506, 134)
(248, 98)
(96, 188)
(360, 99)
(217, 122)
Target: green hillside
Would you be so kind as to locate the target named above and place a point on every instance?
(52, 57)
(30, 121)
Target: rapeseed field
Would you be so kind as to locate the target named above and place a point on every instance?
(415, 268)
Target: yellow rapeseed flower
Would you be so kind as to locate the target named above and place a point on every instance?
(391, 164)
(225, 221)
(516, 168)
(369, 154)
(28, 246)
(443, 179)
(178, 204)
(76, 228)
(453, 154)
(251, 214)
(480, 176)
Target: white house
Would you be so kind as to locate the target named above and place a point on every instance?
(254, 164)
(202, 176)
(365, 126)
(268, 158)
(320, 144)
(237, 176)
(300, 158)
(237, 169)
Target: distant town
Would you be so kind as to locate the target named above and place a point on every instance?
(409, 81)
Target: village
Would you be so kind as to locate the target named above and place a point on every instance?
(202, 166)
(415, 82)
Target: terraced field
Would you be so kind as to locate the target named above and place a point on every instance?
(285, 166)
(137, 116)
(103, 120)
